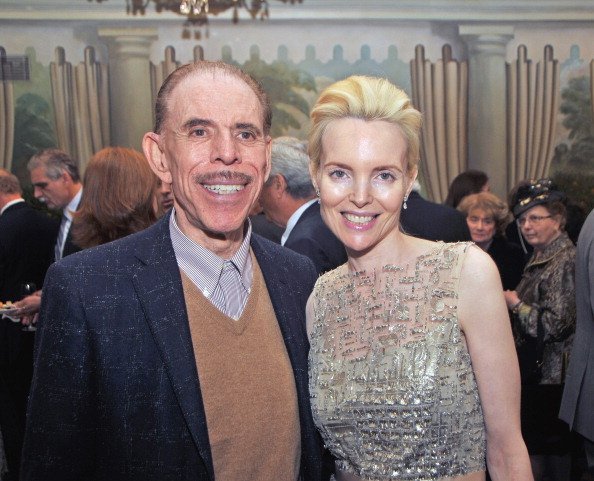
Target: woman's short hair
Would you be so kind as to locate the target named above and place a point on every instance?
(118, 197)
(491, 205)
(366, 98)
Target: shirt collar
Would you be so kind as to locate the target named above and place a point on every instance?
(72, 205)
(12, 202)
(294, 218)
(203, 266)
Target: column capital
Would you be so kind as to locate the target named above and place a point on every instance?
(486, 39)
(129, 41)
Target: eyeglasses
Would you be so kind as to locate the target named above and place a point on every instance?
(533, 219)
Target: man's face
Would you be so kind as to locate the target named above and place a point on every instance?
(270, 200)
(165, 195)
(213, 151)
(54, 193)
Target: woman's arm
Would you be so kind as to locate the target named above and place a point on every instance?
(484, 320)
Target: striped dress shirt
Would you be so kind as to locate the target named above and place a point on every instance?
(229, 294)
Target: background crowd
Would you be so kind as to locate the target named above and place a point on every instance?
(531, 238)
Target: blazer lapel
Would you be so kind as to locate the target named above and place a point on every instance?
(159, 288)
(286, 308)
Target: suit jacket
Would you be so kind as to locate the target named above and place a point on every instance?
(27, 239)
(69, 246)
(433, 221)
(510, 261)
(312, 238)
(115, 393)
(578, 395)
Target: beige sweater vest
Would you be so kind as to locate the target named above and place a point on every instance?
(247, 387)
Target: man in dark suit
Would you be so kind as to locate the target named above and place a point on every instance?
(432, 221)
(27, 239)
(578, 394)
(180, 353)
(56, 182)
(288, 199)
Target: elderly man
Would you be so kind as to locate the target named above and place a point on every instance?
(27, 239)
(180, 353)
(288, 199)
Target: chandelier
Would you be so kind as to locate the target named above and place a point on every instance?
(199, 10)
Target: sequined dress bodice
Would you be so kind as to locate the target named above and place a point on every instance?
(392, 387)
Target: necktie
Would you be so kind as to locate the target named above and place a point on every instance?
(61, 237)
(233, 291)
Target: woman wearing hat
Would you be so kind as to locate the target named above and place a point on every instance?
(544, 316)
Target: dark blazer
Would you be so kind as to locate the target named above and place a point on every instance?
(312, 238)
(578, 394)
(510, 260)
(433, 221)
(69, 246)
(115, 393)
(27, 238)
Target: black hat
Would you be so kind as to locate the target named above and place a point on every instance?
(535, 192)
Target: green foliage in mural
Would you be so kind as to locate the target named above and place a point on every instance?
(282, 84)
(573, 162)
(39, 81)
(33, 132)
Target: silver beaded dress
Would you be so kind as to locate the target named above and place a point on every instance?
(392, 387)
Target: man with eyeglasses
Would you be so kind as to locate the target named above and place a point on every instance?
(543, 318)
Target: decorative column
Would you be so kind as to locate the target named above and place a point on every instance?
(487, 141)
(130, 83)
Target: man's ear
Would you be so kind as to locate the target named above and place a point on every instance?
(151, 146)
(268, 141)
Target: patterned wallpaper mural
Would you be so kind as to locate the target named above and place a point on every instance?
(293, 86)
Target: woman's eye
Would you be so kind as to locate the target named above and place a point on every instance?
(386, 176)
(338, 174)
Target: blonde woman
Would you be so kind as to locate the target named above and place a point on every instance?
(413, 373)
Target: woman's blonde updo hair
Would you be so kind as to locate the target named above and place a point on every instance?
(366, 98)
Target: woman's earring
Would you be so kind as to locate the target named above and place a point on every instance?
(404, 206)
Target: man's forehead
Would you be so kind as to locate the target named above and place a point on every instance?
(208, 95)
(204, 83)
(38, 172)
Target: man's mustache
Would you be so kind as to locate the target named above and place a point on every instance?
(226, 175)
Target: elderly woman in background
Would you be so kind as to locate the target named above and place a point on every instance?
(413, 373)
(544, 315)
(487, 217)
(120, 197)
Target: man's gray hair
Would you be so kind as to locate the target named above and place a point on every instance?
(9, 183)
(290, 159)
(55, 162)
